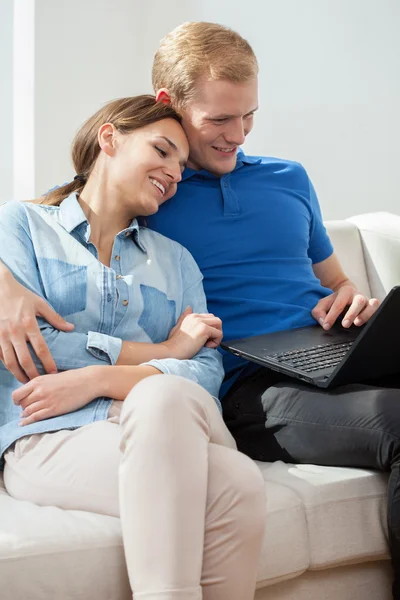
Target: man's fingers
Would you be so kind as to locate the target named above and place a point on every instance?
(321, 309)
(51, 316)
(23, 355)
(41, 350)
(10, 361)
(366, 314)
(333, 313)
(357, 306)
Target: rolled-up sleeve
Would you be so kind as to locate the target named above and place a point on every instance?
(205, 368)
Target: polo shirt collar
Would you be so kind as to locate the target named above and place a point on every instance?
(73, 217)
(241, 159)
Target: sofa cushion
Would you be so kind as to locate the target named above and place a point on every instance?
(285, 549)
(345, 510)
(47, 553)
(317, 517)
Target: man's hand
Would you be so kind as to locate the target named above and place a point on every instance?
(49, 396)
(18, 326)
(360, 309)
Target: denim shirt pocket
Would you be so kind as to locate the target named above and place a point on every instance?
(158, 315)
(65, 285)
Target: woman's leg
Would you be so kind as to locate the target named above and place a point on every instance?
(192, 511)
(192, 507)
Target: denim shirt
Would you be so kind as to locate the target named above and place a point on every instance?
(150, 282)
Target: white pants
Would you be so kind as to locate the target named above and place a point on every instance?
(192, 507)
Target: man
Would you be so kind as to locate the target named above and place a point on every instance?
(255, 228)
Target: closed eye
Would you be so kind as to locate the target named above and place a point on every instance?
(161, 152)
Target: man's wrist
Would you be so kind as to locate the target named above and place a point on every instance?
(347, 283)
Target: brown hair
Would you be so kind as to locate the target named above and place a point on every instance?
(126, 114)
(200, 49)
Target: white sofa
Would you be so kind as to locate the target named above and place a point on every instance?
(326, 527)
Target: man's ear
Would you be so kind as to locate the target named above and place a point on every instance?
(106, 138)
(163, 96)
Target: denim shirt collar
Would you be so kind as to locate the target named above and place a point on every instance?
(241, 159)
(74, 220)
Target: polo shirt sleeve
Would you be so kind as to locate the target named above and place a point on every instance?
(69, 350)
(205, 368)
(320, 246)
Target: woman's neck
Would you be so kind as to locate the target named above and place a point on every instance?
(105, 214)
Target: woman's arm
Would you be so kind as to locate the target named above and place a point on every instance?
(19, 326)
(205, 367)
(53, 395)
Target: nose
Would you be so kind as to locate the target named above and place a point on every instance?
(173, 172)
(236, 133)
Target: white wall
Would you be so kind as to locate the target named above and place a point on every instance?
(329, 83)
(6, 100)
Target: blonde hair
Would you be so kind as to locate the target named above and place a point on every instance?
(126, 114)
(200, 49)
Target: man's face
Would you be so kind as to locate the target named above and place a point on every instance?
(217, 122)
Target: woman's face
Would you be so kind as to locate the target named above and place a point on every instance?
(147, 165)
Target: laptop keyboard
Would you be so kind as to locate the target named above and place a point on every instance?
(314, 358)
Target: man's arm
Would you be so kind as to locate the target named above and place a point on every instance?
(19, 308)
(332, 276)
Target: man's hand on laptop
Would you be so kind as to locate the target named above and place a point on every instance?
(18, 326)
(360, 308)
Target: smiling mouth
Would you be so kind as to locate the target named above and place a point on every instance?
(226, 151)
(158, 185)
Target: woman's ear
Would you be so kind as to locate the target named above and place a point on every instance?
(106, 138)
(163, 96)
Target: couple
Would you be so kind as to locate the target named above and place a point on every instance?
(255, 229)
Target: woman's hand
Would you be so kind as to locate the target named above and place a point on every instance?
(192, 332)
(18, 326)
(49, 396)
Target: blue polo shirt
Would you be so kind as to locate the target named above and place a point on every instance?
(255, 234)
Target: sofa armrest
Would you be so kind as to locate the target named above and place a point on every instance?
(380, 237)
(346, 241)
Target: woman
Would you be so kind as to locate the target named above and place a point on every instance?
(158, 456)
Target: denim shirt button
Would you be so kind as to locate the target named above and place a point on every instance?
(117, 257)
(125, 302)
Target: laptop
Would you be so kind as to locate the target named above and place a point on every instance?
(330, 358)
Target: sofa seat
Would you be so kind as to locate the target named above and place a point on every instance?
(317, 518)
(344, 515)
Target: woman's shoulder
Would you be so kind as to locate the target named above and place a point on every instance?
(160, 242)
(20, 209)
(169, 250)
(14, 211)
